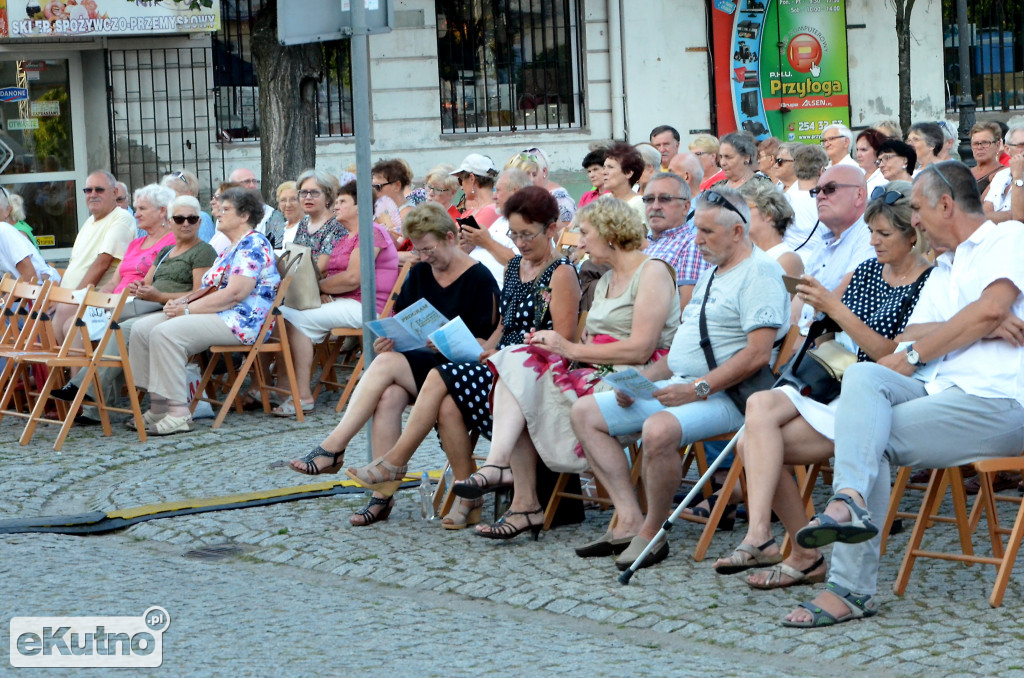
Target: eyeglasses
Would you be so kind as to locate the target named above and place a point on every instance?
(529, 157)
(282, 201)
(885, 157)
(826, 140)
(437, 191)
(226, 207)
(425, 251)
(192, 219)
(1020, 145)
(981, 144)
(122, 198)
(250, 182)
(522, 238)
(699, 153)
(716, 198)
(942, 176)
(378, 187)
(93, 189)
(779, 162)
(666, 199)
(830, 188)
(310, 194)
(890, 197)
(215, 197)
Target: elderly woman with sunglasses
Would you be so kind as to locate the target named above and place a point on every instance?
(237, 294)
(457, 286)
(183, 182)
(784, 428)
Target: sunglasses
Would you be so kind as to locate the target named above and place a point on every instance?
(192, 219)
(779, 162)
(890, 197)
(378, 187)
(93, 189)
(667, 199)
(719, 200)
(830, 188)
(180, 176)
(942, 176)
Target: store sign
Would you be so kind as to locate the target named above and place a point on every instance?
(789, 75)
(21, 124)
(45, 109)
(58, 18)
(11, 94)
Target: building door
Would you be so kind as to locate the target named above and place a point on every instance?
(42, 145)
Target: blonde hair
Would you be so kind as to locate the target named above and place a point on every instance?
(523, 161)
(705, 142)
(285, 186)
(442, 174)
(615, 222)
(428, 219)
(179, 179)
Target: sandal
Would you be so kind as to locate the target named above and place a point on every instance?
(287, 408)
(367, 516)
(860, 607)
(728, 519)
(747, 556)
(828, 530)
(308, 466)
(464, 512)
(773, 576)
(505, 530)
(169, 425)
(379, 476)
(148, 420)
(471, 488)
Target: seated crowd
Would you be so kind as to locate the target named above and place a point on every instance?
(691, 268)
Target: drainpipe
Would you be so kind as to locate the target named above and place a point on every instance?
(615, 69)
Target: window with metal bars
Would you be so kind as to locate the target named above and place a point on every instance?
(237, 90)
(509, 65)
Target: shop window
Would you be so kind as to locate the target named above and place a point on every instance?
(509, 65)
(237, 89)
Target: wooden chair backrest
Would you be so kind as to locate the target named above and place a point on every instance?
(403, 273)
(567, 240)
(788, 348)
(275, 311)
(29, 300)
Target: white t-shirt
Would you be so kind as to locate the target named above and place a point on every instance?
(498, 231)
(14, 247)
(846, 160)
(875, 180)
(999, 191)
(986, 368)
(110, 235)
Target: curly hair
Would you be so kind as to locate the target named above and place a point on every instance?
(615, 222)
(428, 219)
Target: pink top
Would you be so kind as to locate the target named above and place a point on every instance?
(588, 197)
(485, 216)
(385, 266)
(136, 262)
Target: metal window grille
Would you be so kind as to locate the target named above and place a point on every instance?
(237, 90)
(161, 118)
(996, 54)
(509, 65)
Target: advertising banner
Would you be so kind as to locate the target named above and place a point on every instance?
(788, 74)
(31, 19)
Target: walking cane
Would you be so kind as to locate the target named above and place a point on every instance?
(663, 532)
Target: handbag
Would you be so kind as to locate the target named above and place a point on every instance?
(762, 380)
(304, 292)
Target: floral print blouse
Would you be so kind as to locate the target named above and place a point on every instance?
(252, 257)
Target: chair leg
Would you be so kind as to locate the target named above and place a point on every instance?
(895, 497)
(917, 534)
(236, 386)
(956, 481)
(555, 500)
(1009, 557)
(350, 385)
(719, 509)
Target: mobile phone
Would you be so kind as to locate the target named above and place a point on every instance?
(468, 221)
(790, 282)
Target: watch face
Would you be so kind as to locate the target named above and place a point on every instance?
(912, 357)
(1018, 182)
(702, 389)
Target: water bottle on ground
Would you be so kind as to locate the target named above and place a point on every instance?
(427, 498)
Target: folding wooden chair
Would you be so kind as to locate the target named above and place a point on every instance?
(90, 358)
(328, 375)
(567, 242)
(1003, 556)
(18, 305)
(262, 345)
(899, 488)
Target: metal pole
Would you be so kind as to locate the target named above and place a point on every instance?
(966, 104)
(361, 115)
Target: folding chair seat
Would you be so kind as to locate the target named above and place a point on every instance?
(263, 345)
(328, 375)
(89, 358)
(1003, 555)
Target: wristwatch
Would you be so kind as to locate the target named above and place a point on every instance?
(913, 358)
(702, 388)
(1019, 183)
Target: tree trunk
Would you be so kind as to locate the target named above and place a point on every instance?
(903, 10)
(287, 77)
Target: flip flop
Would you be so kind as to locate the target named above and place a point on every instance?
(773, 578)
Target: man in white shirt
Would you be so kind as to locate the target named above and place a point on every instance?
(1008, 183)
(491, 246)
(837, 141)
(804, 235)
(967, 327)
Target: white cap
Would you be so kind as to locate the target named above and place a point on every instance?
(477, 164)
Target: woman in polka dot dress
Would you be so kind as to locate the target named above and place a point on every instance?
(541, 291)
(783, 427)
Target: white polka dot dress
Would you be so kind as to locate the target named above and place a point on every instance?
(882, 307)
(470, 384)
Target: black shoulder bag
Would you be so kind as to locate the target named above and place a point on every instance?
(762, 380)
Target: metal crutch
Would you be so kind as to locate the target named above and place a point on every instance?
(663, 532)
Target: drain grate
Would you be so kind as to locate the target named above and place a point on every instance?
(215, 552)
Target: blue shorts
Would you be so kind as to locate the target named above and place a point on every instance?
(698, 420)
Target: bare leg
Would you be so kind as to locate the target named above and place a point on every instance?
(425, 413)
(458, 444)
(662, 469)
(523, 460)
(509, 429)
(609, 464)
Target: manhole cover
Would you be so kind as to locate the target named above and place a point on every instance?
(215, 552)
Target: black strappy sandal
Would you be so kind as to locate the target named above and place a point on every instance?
(471, 488)
(366, 515)
(311, 469)
(505, 530)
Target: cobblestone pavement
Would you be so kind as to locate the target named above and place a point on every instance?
(311, 594)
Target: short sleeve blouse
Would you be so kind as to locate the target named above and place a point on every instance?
(252, 257)
(385, 265)
(325, 238)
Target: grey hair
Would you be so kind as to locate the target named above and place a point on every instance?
(1019, 125)
(770, 202)
(111, 179)
(650, 154)
(442, 174)
(725, 216)
(692, 164)
(515, 179)
(17, 207)
(843, 130)
(684, 188)
(744, 144)
(808, 161)
(963, 184)
(327, 182)
(184, 201)
(156, 194)
(898, 215)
